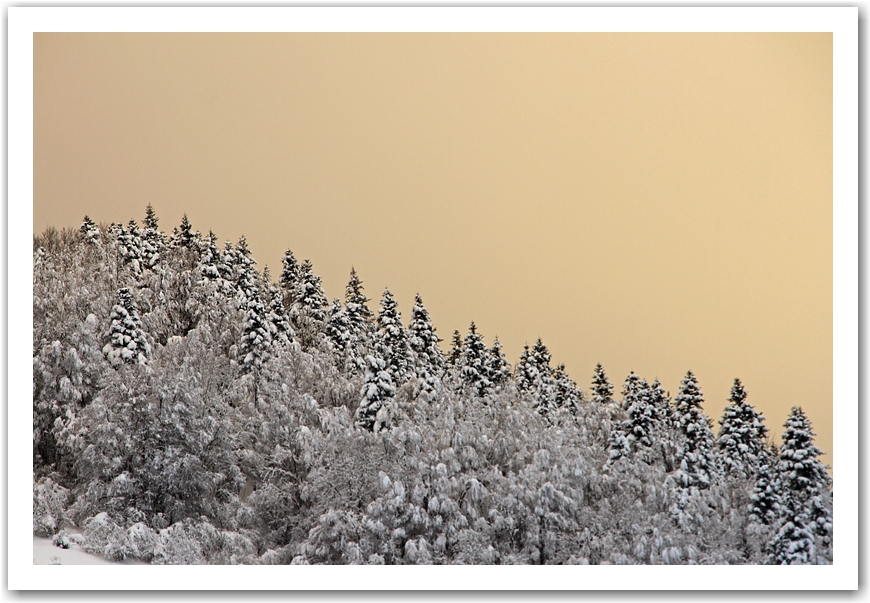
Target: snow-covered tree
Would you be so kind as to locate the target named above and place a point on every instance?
(423, 340)
(697, 459)
(637, 431)
(377, 391)
(310, 300)
(338, 329)
(392, 340)
(473, 368)
(526, 372)
(289, 276)
(130, 246)
(152, 239)
(765, 497)
(602, 389)
(742, 436)
(90, 231)
(282, 332)
(568, 396)
(499, 367)
(185, 235)
(256, 336)
(126, 339)
(455, 348)
(804, 478)
(793, 543)
(356, 302)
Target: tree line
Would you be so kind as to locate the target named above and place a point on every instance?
(189, 408)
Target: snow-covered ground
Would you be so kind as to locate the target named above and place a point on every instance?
(45, 553)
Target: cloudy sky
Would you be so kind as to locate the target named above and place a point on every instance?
(653, 202)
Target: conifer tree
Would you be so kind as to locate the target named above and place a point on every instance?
(392, 339)
(356, 302)
(210, 259)
(227, 265)
(526, 372)
(428, 357)
(282, 332)
(130, 246)
(697, 459)
(567, 394)
(310, 299)
(602, 390)
(90, 231)
(805, 479)
(499, 367)
(423, 340)
(256, 336)
(289, 275)
(455, 348)
(661, 401)
(637, 431)
(377, 391)
(793, 543)
(185, 235)
(472, 363)
(542, 359)
(338, 329)
(152, 239)
(765, 497)
(126, 339)
(742, 436)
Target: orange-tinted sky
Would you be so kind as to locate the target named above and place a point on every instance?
(653, 202)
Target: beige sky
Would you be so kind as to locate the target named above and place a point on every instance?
(653, 202)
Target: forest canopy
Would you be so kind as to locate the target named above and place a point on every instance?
(190, 408)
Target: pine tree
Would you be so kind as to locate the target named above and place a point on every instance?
(637, 431)
(90, 231)
(526, 372)
(742, 436)
(392, 339)
(377, 391)
(765, 497)
(542, 359)
(256, 336)
(455, 348)
(499, 367)
(629, 390)
(602, 390)
(227, 265)
(793, 543)
(282, 332)
(428, 357)
(310, 299)
(210, 259)
(152, 239)
(126, 339)
(805, 480)
(185, 235)
(130, 246)
(289, 276)
(423, 340)
(338, 329)
(697, 459)
(567, 394)
(356, 302)
(472, 363)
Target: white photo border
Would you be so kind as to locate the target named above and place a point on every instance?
(842, 22)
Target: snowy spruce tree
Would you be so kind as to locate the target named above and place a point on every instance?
(804, 479)
(127, 342)
(338, 330)
(568, 396)
(256, 336)
(185, 236)
(637, 431)
(499, 368)
(279, 323)
(308, 314)
(428, 357)
(602, 389)
(526, 372)
(392, 340)
(742, 436)
(455, 348)
(90, 231)
(473, 368)
(289, 276)
(130, 246)
(766, 500)
(698, 463)
(377, 392)
(152, 240)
